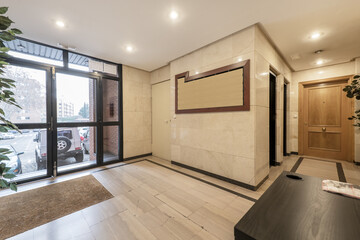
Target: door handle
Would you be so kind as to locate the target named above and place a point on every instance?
(323, 129)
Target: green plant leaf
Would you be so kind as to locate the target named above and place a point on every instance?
(3, 150)
(16, 31)
(3, 10)
(4, 49)
(13, 187)
(5, 22)
(6, 36)
(4, 157)
(4, 183)
(9, 175)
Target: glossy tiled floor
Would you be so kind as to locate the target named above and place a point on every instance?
(153, 202)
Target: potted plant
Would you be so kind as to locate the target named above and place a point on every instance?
(353, 90)
(6, 96)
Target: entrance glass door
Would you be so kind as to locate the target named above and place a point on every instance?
(110, 113)
(76, 122)
(29, 149)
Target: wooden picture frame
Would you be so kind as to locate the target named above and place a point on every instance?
(244, 65)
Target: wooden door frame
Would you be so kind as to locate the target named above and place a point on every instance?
(301, 86)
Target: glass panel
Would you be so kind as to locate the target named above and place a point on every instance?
(35, 52)
(111, 143)
(75, 98)
(78, 62)
(110, 100)
(76, 147)
(23, 162)
(30, 94)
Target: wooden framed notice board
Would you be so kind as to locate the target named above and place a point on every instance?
(220, 90)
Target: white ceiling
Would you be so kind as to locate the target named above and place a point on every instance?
(102, 28)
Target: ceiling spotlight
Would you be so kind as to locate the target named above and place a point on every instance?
(319, 62)
(196, 72)
(315, 35)
(318, 51)
(129, 48)
(60, 24)
(174, 15)
(239, 59)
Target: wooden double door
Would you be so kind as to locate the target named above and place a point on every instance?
(324, 128)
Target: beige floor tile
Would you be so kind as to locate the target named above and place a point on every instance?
(152, 202)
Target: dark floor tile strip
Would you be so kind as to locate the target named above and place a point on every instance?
(108, 168)
(296, 165)
(207, 182)
(321, 160)
(340, 172)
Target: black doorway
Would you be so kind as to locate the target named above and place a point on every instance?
(285, 121)
(272, 120)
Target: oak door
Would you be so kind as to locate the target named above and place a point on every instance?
(326, 129)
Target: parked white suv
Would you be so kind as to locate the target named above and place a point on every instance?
(68, 145)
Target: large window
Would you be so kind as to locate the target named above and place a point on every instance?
(70, 116)
(29, 146)
(75, 98)
(30, 94)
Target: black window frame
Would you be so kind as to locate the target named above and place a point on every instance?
(51, 106)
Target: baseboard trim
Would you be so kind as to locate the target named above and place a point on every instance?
(294, 153)
(225, 179)
(138, 156)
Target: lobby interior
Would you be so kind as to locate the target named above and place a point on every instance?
(171, 161)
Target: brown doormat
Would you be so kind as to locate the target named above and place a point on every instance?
(26, 210)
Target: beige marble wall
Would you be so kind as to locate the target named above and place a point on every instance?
(221, 143)
(231, 144)
(266, 58)
(309, 75)
(137, 111)
(160, 75)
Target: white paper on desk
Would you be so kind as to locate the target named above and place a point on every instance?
(345, 189)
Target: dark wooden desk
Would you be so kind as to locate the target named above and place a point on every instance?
(300, 209)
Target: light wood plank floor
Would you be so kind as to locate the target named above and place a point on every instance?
(154, 202)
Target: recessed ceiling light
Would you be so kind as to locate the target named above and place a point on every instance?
(315, 35)
(129, 48)
(174, 15)
(319, 62)
(196, 72)
(239, 59)
(318, 51)
(320, 72)
(60, 24)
